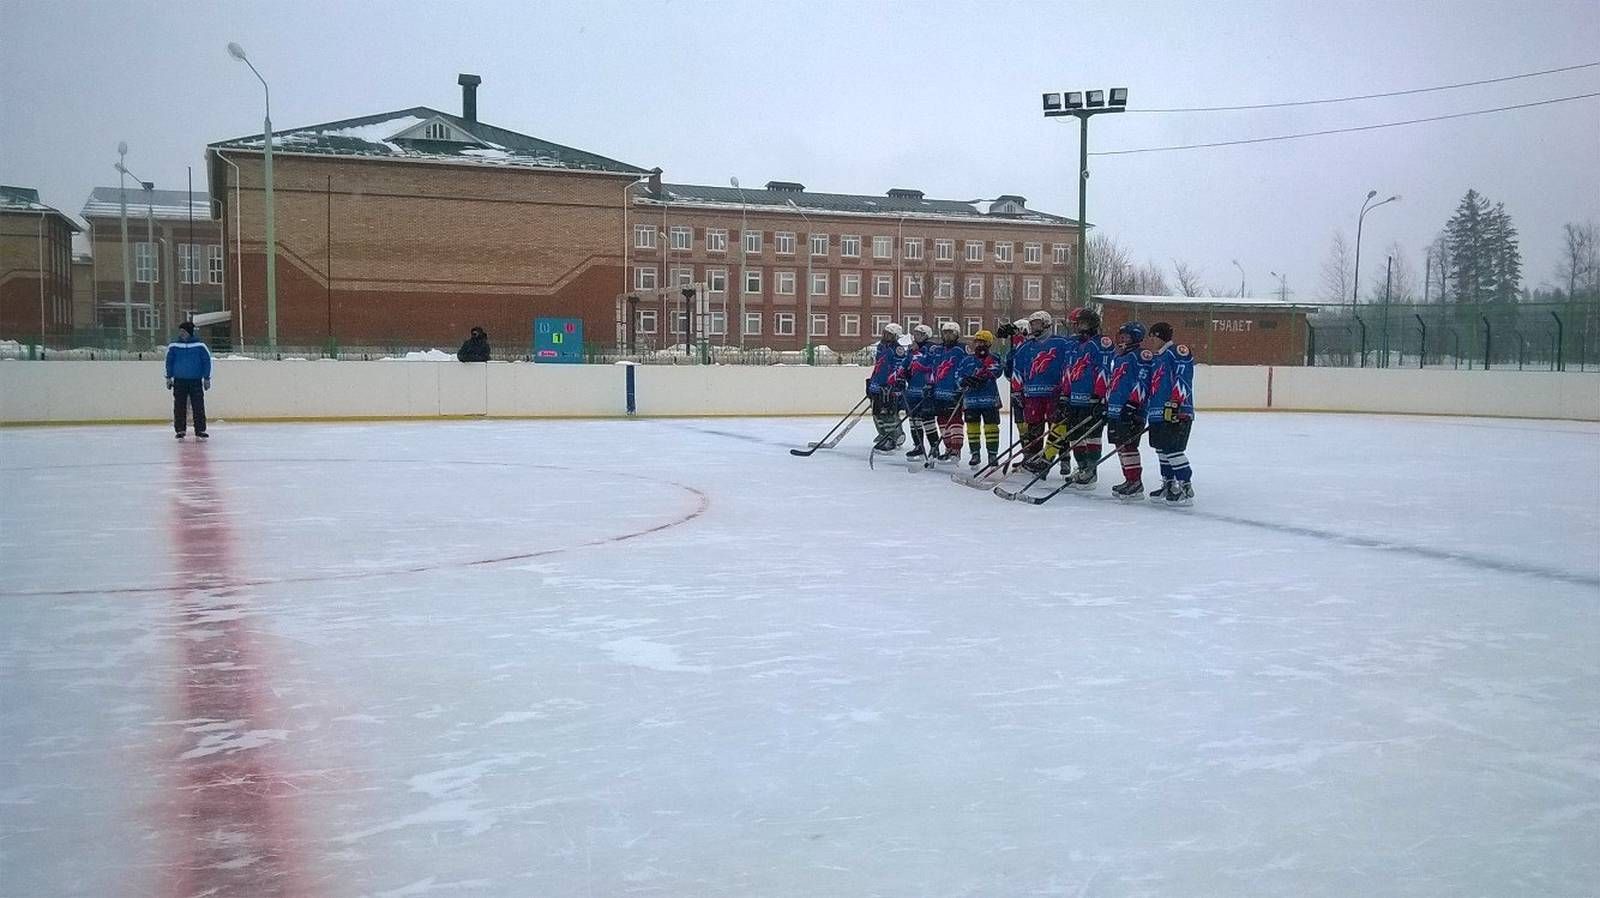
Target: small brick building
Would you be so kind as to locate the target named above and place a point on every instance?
(176, 264)
(35, 268)
(1220, 330)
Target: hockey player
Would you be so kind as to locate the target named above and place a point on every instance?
(1083, 392)
(1170, 412)
(980, 373)
(912, 378)
(947, 388)
(1039, 364)
(890, 355)
(1015, 334)
(1125, 398)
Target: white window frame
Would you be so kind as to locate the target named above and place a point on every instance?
(783, 324)
(1058, 289)
(912, 248)
(645, 322)
(849, 325)
(913, 286)
(189, 271)
(882, 285)
(974, 324)
(716, 240)
(912, 321)
(783, 243)
(819, 324)
(752, 324)
(819, 278)
(644, 236)
(679, 317)
(974, 250)
(1058, 253)
(815, 239)
(752, 282)
(1032, 253)
(644, 277)
(146, 264)
(680, 237)
(974, 287)
(784, 277)
(850, 283)
(752, 242)
(716, 280)
(214, 263)
(944, 250)
(879, 322)
(944, 286)
(883, 247)
(717, 323)
(940, 323)
(682, 277)
(1032, 289)
(1004, 252)
(1003, 288)
(850, 246)
(148, 318)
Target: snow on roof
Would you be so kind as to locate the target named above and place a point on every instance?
(838, 204)
(1143, 299)
(26, 199)
(106, 202)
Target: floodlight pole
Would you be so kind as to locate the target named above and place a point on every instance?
(272, 219)
(1083, 105)
(744, 225)
(127, 262)
(1355, 290)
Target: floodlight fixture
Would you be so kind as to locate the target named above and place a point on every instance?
(122, 148)
(1119, 97)
(1052, 102)
(1074, 99)
(1097, 99)
(236, 51)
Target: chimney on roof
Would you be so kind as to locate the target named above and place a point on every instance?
(786, 187)
(655, 180)
(901, 193)
(469, 96)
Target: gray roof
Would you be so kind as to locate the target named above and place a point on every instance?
(372, 135)
(26, 199)
(909, 204)
(168, 205)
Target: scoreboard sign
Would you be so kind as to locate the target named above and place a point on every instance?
(558, 340)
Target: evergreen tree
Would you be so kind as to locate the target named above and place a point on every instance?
(1471, 263)
(1506, 255)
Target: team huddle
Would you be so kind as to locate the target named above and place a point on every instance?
(1065, 390)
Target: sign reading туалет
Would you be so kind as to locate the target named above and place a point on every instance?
(558, 340)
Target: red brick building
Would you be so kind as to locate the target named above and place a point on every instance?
(175, 254)
(1220, 330)
(411, 227)
(783, 266)
(35, 268)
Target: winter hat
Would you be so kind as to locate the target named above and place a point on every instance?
(187, 327)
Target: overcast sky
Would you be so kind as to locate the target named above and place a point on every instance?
(862, 96)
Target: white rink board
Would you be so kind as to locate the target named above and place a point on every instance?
(575, 658)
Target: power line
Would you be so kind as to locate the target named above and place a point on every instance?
(1392, 93)
(1414, 121)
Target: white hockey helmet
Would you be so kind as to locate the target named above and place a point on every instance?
(1040, 316)
(948, 327)
(922, 332)
(1020, 324)
(893, 330)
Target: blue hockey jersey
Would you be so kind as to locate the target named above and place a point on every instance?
(1129, 379)
(946, 380)
(986, 368)
(914, 372)
(1085, 378)
(889, 358)
(1171, 380)
(1039, 364)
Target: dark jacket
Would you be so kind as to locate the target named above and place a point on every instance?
(476, 349)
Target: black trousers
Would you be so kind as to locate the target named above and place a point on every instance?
(1170, 436)
(186, 392)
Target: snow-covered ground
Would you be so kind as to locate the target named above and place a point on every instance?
(667, 658)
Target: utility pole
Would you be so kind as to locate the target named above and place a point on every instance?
(1083, 105)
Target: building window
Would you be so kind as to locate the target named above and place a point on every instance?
(1032, 289)
(974, 324)
(850, 283)
(189, 263)
(913, 286)
(214, 264)
(679, 319)
(944, 287)
(974, 250)
(752, 243)
(1032, 253)
(644, 237)
(1002, 289)
(912, 321)
(944, 250)
(1058, 253)
(752, 324)
(974, 286)
(819, 283)
(850, 246)
(717, 280)
(716, 240)
(145, 270)
(819, 244)
(644, 277)
(882, 248)
(943, 320)
(716, 323)
(682, 277)
(819, 324)
(785, 242)
(682, 238)
(849, 325)
(879, 322)
(752, 282)
(913, 248)
(647, 321)
(434, 131)
(1058, 290)
(1003, 252)
(783, 324)
(786, 283)
(882, 285)
(147, 318)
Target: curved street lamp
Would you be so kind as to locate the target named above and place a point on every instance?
(744, 225)
(811, 358)
(127, 263)
(1241, 277)
(1355, 291)
(237, 52)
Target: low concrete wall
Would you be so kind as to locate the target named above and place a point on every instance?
(60, 391)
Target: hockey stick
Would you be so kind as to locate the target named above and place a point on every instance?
(1040, 500)
(900, 421)
(960, 403)
(849, 416)
(829, 444)
(1066, 439)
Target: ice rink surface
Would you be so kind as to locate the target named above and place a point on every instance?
(664, 657)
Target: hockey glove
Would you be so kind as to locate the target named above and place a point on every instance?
(169, 383)
(1097, 408)
(1128, 413)
(970, 382)
(1185, 416)
(208, 383)
(1006, 331)
(1169, 413)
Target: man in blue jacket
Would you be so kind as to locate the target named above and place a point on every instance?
(188, 377)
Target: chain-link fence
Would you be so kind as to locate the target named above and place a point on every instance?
(1526, 336)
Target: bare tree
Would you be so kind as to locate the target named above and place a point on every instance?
(1435, 269)
(1150, 280)
(1336, 270)
(1189, 283)
(1402, 278)
(1109, 269)
(1578, 257)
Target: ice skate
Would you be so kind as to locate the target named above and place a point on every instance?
(1180, 494)
(1085, 479)
(1129, 490)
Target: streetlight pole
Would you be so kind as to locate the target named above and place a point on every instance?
(1083, 105)
(811, 358)
(127, 263)
(1355, 291)
(1241, 277)
(744, 225)
(149, 231)
(1283, 286)
(237, 52)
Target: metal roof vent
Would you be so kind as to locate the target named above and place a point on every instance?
(785, 186)
(903, 193)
